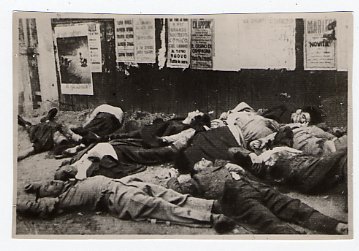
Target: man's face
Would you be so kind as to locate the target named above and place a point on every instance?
(51, 189)
(301, 117)
(202, 164)
(304, 118)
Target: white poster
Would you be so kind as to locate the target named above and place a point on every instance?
(267, 43)
(124, 37)
(319, 44)
(144, 34)
(74, 59)
(226, 43)
(94, 42)
(178, 42)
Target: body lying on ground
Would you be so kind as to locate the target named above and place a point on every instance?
(294, 169)
(250, 202)
(116, 159)
(50, 135)
(161, 133)
(127, 198)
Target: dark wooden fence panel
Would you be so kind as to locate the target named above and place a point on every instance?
(168, 90)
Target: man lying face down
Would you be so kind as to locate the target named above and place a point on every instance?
(127, 198)
(249, 202)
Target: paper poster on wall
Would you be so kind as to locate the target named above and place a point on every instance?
(178, 42)
(124, 37)
(267, 43)
(202, 47)
(144, 34)
(94, 42)
(74, 59)
(226, 57)
(319, 44)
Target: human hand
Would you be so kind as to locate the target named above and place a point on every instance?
(235, 168)
(173, 173)
(255, 159)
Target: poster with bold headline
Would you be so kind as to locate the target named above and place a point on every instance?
(320, 44)
(178, 43)
(74, 59)
(202, 47)
(144, 37)
(124, 37)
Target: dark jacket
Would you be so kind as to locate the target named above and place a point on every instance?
(208, 184)
(304, 173)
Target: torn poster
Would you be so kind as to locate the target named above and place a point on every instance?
(124, 37)
(144, 37)
(319, 44)
(178, 43)
(73, 59)
(202, 37)
(266, 43)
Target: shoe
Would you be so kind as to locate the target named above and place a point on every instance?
(23, 122)
(50, 115)
(223, 224)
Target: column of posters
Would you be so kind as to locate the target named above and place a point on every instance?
(178, 42)
(319, 44)
(124, 37)
(73, 59)
(202, 47)
(144, 33)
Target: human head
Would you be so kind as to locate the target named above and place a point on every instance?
(315, 114)
(284, 137)
(309, 115)
(48, 189)
(202, 165)
(59, 138)
(199, 122)
(190, 117)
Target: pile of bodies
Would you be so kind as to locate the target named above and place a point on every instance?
(226, 171)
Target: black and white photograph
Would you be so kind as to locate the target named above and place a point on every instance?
(183, 126)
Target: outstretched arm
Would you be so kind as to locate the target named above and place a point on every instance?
(42, 207)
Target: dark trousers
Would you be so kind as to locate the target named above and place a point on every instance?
(268, 210)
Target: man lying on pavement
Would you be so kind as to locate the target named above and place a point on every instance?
(127, 198)
(251, 202)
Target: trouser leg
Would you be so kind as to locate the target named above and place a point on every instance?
(243, 203)
(294, 211)
(149, 156)
(173, 197)
(137, 205)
